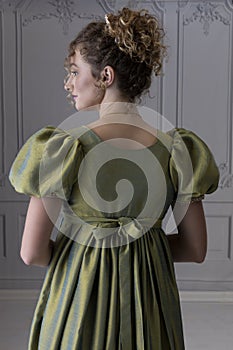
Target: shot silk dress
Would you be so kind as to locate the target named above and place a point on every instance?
(119, 296)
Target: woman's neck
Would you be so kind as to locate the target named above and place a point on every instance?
(118, 110)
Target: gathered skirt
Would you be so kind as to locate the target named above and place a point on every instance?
(120, 298)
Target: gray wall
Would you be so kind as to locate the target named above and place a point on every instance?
(195, 93)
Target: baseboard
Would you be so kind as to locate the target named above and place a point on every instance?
(185, 296)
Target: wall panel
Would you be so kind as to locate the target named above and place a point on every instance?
(195, 92)
(205, 80)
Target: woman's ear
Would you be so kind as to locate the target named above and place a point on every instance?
(108, 76)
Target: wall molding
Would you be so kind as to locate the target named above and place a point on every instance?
(2, 104)
(229, 3)
(206, 13)
(224, 251)
(182, 3)
(185, 296)
(20, 227)
(59, 10)
(2, 179)
(6, 4)
(207, 296)
(19, 80)
(19, 294)
(3, 252)
(106, 5)
(111, 6)
(63, 11)
(226, 179)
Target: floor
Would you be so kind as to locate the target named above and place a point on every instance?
(207, 324)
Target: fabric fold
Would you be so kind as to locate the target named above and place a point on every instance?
(192, 167)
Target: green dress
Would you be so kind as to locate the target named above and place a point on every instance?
(111, 283)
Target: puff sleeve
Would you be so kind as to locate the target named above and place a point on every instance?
(47, 164)
(193, 170)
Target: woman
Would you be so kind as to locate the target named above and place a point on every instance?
(110, 282)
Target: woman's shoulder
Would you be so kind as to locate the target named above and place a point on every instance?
(49, 156)
(193, 167)
(184, 135)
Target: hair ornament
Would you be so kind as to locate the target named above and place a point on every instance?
(106, 19)
(122, 21)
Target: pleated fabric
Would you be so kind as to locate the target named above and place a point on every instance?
(109, 298)
(114, 296)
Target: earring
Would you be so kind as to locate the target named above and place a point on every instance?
(102, 85)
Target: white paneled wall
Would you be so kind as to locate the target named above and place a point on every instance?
(195, 93)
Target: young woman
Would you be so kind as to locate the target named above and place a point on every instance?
(110, 282)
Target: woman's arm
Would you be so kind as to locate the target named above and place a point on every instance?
(190, 244)
(36, 247)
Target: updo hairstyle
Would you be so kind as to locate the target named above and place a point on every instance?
(130, 42)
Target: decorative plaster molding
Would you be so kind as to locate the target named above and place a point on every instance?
(91, 16)
(63, 10)
(125, 3)
(107, 6)
(182, 3)
(230, 4)
(112, 5)
(160, 5)
(6, 4)
(65, 14)
(226, 179)
(206, 12)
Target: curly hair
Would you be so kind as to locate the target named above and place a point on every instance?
(130, 42)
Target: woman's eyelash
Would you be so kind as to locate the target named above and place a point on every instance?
(74, 73)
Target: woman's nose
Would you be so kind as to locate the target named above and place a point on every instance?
(67, 85)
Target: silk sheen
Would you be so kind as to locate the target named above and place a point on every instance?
(118, 298)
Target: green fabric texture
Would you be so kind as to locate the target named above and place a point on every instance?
(112, 289)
